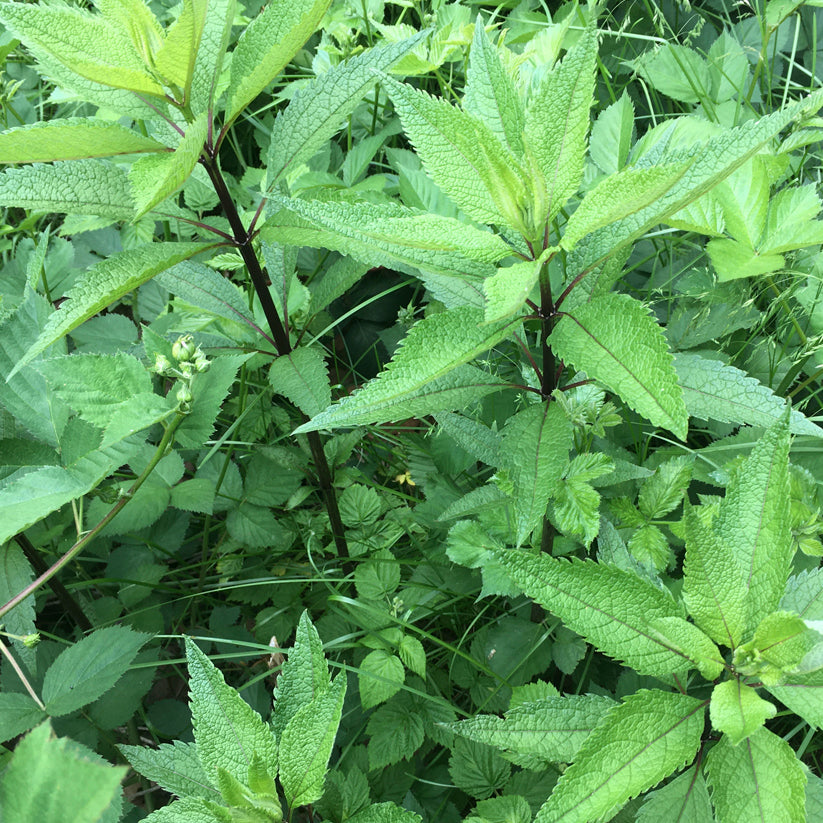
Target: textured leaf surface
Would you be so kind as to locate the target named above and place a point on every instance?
(638, 743)
(611, 608)
(174, 60)
(759, 781)
(380, 677)
(616, 341)
(714, 589)
(185, 810)
(18, 714)
(306, 744)
(716, 391)
(175, 767)
(303, 377)
(15, 574)
(686, 638)
(510, 287)
(433, 347)
(317, 111)
(754, 520)
(737, 710)
(106, 282)
(385, 813)
(684, 800)
(227, 731)
(267, 45)
(803, 694)
(211, 54)
(535, 449)
(71, 138)
(71, 187)
(90, 667)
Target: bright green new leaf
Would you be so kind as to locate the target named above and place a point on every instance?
(676, 71)
(71, 187)
(539, 733)
(208, 63)
(424, 366)
(40, 764)
(733, 260)
(737, 710)
(611, 137)
(780, 642)
(490, 93)
(380, 677)
(306, 744)
(535, 449)
(754, 521)
(266, 47)
(686, 638)
(617, 196)
(87, 44)
(411, 651)
(157, 176)
(106, 282)
(71, 138)
(616, 341)
(714, 390)
(185, 810)
(384, 813)
(175, 767)
(227, 731)
(305, 675)
(317, 111)
(684, 800)
(803, 694)
(510, 287)
(557, 122)
(636, 745)
(84, 671)
(174, 60)
(758, 781)
(138, 20)
(303, 377)
(611, 608)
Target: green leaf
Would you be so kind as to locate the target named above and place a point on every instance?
(803, 694)
(781, 640)
(684, 800)
(106, 282)
(535, 449)
(175, 59)
(227, 731)
(384, 813)
(737, 710)
(137, 20)
(638, 743)
(759, 780)
(175, 767)
(306, 744)
(267, 45)
(714, 589)
(15, 574)
(210, 56)
(196, 495)
(616, 341)
(477, 769)
(754, 521)
(378, 577)
(87, 44)
(678, 72)
(18, 713)
(538, 733)
(317, 110)
(733, 260)
(508, 289)
(557, 122)
(380, 676)
(305, 675)
(42, 762)
(71, 138)
(611, 608)
(716, 391)
(71, 187)
(423, 367)
(413, 655)
(508, 808)
(686, 638)
(611, 137)
(303, 377)
(396, 732)
(157, 176)
(84, 671)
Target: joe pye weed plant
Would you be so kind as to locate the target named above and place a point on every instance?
(517, 219)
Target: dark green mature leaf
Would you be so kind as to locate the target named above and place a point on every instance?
(89, 668)
(636, 745)
(18, 713)
(15, 574)
(303, 377)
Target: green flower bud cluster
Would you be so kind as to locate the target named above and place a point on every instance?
(190, 361)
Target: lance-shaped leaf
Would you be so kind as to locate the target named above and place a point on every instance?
(611, 608)
(649, 736)
(684, 800)
(538, 733)
(158, 176)
(316, 111)
(804, 595)
(266, 47)
(737, 710)
(175, 767)
(208, 63)
(780, 642)
(306, 744)
(686, 638)
(535, 450)
(174, 60)
(227, 731)
(754, 521)
(709, 163)
(303, 377)
(616, 341)
(70, 139)
(72, 187)
(714, 390)
(139, 22)
(421, 367)
(388, 234)
(88, 44)
(759, 781)
(508, 290)
(713, 586)
(462, 156)
(106, 282)
(557, 122)
(490, 93)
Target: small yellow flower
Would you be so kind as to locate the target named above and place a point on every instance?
(405, 478)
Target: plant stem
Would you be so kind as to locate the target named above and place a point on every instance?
(548, 382)
(162, 447)
(242, 240)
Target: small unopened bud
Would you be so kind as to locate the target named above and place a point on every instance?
(31, 640)
(184, 395)
(162, 364)
(184, 348)
(201, 363)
